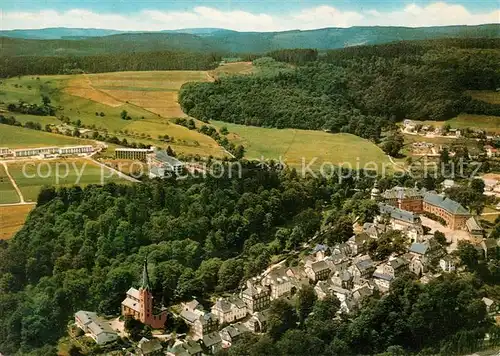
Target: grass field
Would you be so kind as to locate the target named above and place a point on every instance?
(12, 218)
(490, 124)
(488, 96)
(151, 97)
(17, 137)
(8, 194)
(293, 145)
(31, 176)
(232, 69)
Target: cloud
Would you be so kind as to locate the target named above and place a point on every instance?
(413, 15)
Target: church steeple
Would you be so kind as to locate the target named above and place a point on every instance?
(145, 276)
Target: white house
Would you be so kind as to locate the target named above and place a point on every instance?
(229, 310)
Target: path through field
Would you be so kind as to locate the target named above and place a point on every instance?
(14, 184)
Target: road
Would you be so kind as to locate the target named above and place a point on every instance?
(117, 172)
(14, 184)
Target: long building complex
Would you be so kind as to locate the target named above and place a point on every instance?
(139, 154)
(31, 152)
(419, 201)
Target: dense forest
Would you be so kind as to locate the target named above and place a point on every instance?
(82, 248)
(166, 60)
(358, 90)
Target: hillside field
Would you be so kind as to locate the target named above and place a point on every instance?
(19, 137)
(491, 124)
(69, 95)
(293, 145)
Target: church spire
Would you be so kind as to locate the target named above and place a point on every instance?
(145, 276)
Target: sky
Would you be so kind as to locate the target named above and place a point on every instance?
(242, 15)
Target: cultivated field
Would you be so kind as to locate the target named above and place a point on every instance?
(292, 145)
(8, 194)
(19, 137)
(12, 218)
(32, 176)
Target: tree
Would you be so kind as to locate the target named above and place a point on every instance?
(440, 238)
(468, 254)
(477, 185)
(393, 144)
(230, 274)
(306, 297)
(170, 152)
(282, 317)
(124, 115)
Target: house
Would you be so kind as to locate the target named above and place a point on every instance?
(409, 199)
(139, 304)
(363, 268)
(474, 227)
(417, 266)
(491, 305)
(258, 322)
(232, 333)
(358, 243)
(320, 251)
(374, 230)
(279, 283)
(212, 342)
(361, 293)
(165, 165)
(97, 328)
(489, 247)
(317, 271)
(186, 348)
(229, 310)
(447, 264)
(382, 281)
(400, 219)
(203, 325)
(343, 279)
(149, 347)
(256, 296)
(427, 250)
(396, 267)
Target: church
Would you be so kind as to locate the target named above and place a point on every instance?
(139, 304)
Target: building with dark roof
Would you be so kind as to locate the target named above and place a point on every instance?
(452, 212)
(409, 199)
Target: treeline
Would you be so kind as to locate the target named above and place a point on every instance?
(165, 60)
(237, 151)
(34, 109)
(296, 56)
(360, 93)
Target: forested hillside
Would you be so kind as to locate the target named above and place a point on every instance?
(83, 249)
(222, 40)
(33, 65)
(357, 90)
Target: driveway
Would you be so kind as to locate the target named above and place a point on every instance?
(452, 236)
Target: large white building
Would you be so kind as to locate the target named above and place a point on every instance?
(68, 150)
(229, 310)
(133, 153)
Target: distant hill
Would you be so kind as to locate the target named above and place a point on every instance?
(95, 41)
